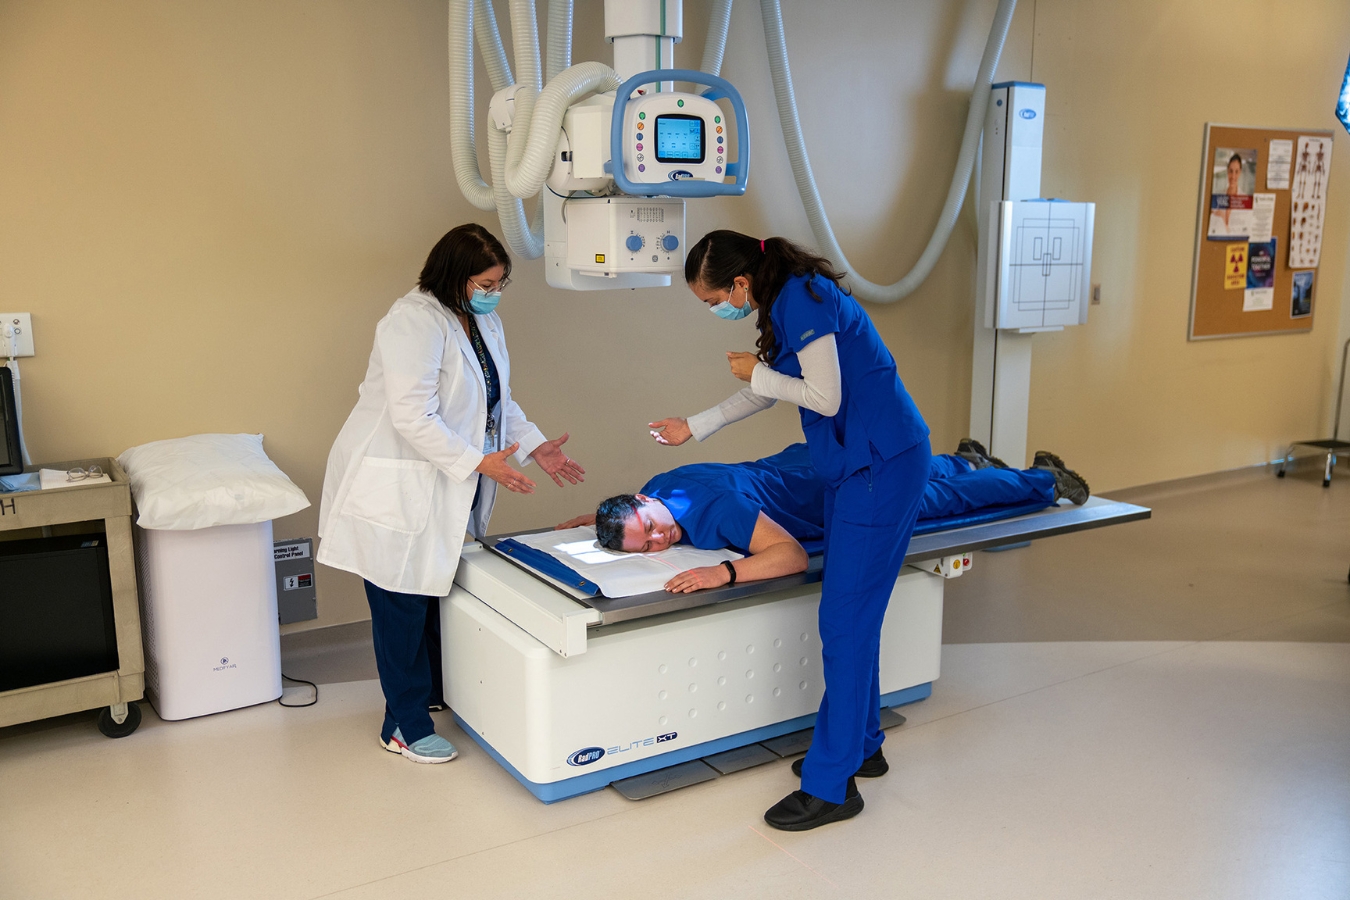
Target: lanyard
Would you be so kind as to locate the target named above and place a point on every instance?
(489, 373)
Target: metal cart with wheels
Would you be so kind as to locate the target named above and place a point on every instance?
(99, 513)
(1331, 445)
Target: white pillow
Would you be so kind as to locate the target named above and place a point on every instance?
(207, 480)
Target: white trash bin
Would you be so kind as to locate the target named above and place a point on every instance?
(206, 571)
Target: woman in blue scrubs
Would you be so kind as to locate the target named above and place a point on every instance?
(818, 349)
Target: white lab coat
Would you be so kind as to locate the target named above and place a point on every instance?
(400, 480)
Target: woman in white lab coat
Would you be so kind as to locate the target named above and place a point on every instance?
(417, 464)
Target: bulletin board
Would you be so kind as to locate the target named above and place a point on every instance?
(1242, 287)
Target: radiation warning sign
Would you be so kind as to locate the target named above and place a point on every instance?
(1235, 269)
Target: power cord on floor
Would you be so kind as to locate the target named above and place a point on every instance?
(298, 681)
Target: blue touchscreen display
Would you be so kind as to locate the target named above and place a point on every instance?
(679, 139)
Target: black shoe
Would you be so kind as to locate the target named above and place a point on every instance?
(1068, 483)
(800, 811)
(873, 767)
(973, 451)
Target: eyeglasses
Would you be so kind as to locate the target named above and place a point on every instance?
(500, 286)
(80, 474)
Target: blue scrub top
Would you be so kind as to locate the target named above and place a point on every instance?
(717, 504)
(876, 411)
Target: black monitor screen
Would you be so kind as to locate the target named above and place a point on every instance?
(679, 138)
(11, 463)
(56, 612)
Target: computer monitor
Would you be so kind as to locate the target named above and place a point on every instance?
(11, 459)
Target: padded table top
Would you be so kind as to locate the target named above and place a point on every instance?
(1096, 513)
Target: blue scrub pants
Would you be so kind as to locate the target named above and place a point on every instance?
(956, 487)
(868, 522)
(407, 634)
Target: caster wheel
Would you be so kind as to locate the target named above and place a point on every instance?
(1280, 474)
(109, 726)
(1327, 483)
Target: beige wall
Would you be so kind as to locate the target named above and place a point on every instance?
(1129, 89)
(207, 206)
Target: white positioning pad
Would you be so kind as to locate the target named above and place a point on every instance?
(620, 574)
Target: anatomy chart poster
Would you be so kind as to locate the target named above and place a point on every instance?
(1307, 202)
(1230, 194)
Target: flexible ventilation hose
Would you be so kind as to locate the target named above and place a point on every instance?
(463, 151)
(776, 44)
(523, 240)
(539, 140)
(559, 38)
(534, 139)
(490, 45)
(519, 162)
(719, 23)
(529, 74)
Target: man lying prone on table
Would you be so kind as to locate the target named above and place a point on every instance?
(768, 507)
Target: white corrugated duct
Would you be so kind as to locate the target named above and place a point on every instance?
(826, 242)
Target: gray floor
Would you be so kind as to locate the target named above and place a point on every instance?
(1155, 710)
(330, 655)
(1235, 556)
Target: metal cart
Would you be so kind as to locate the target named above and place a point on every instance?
(1330, 445)
(78, 509)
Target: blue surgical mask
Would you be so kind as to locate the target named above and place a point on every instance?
(482, 302)
(725, 310)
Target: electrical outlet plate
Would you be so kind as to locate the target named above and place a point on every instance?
(9, 324)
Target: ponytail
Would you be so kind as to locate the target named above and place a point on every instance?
(720, 257)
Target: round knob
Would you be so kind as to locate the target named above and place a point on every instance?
(634, 242)
(669, 243)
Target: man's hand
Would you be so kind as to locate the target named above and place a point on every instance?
(588, 519)
(672, 432)
(556, 464)
(742, 364)
(699, 579)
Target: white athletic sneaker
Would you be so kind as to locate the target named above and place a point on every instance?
(431, 749)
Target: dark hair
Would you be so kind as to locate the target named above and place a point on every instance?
(1235, 158)
(720, 257)
(465, 251)
(610, 518)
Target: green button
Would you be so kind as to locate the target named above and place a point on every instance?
(679, 103)
(717, 119)
(642, 115)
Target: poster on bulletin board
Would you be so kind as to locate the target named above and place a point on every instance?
(1259, 236)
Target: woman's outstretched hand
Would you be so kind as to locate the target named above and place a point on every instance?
(672, 432)
(495, 466)
(557, 464)
(576, 522)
